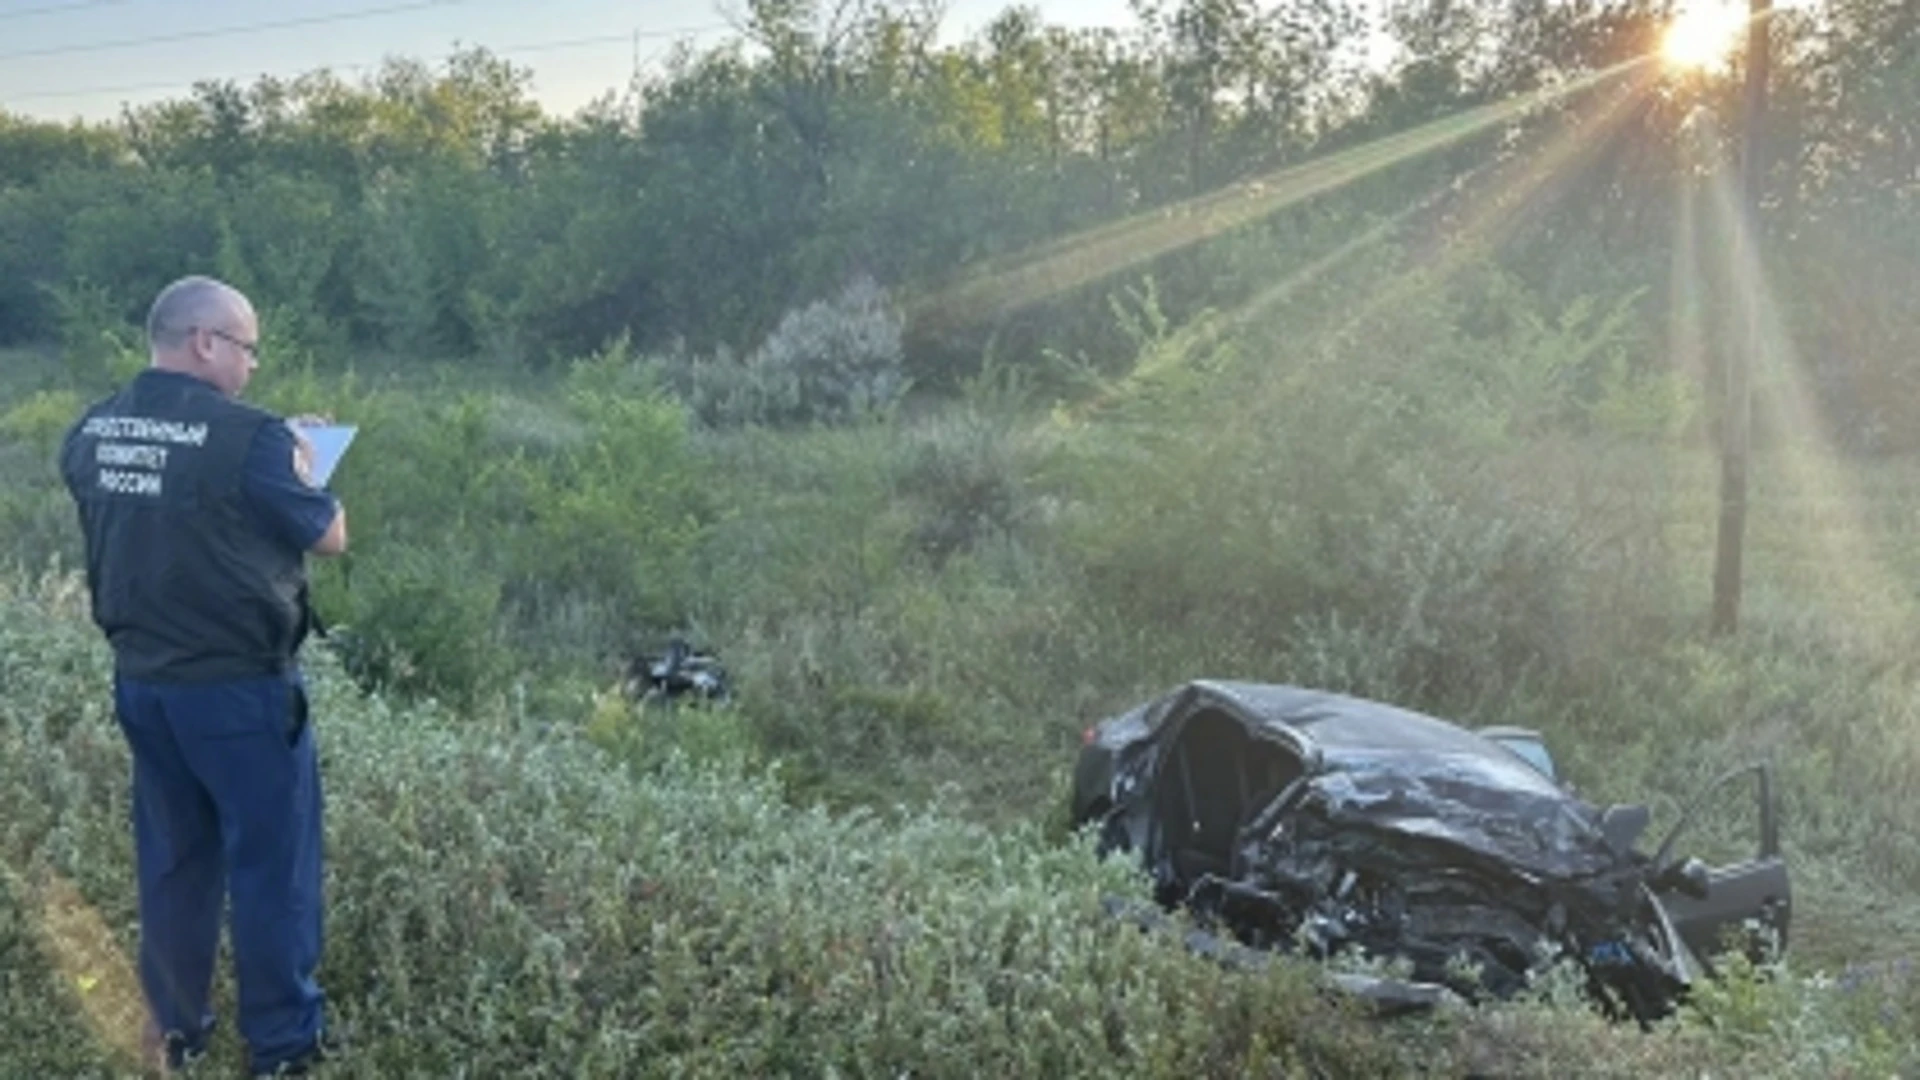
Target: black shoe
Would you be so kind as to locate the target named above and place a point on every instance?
(301, 1064)
(175, 1052)
(180, 1053)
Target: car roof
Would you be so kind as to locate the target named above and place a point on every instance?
(1385, 767)
(1350, 730)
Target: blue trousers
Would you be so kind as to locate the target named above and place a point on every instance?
(226, 808)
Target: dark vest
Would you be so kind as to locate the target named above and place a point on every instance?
(186, 582)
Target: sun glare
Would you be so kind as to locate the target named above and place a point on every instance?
(1704, 35)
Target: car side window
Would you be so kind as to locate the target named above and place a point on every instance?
(1729, 823)
(1531, 749)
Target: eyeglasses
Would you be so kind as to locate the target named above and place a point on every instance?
(251, 348)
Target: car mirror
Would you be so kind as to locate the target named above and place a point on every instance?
(1623, 824)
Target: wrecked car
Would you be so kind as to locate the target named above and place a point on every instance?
(1304, 820)
(679, 672)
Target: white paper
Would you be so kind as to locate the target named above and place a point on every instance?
(329, 443)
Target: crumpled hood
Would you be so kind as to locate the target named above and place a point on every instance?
(1456, 800)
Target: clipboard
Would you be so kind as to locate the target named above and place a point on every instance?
(329, 442)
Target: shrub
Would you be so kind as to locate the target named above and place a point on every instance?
(97, 346)
(423, 621)
(282, 241)
(617, 512)
(965, 475)
(41, 419)
(654, 738)
(812, 524)
(1458, 596)
(567, 522)
(131, 231)
(398, 288)
(831, 362)
(36, 515)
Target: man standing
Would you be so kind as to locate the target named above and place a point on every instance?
(198, 515)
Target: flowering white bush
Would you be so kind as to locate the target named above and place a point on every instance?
(831, 362)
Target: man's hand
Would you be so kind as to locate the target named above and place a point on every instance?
(302, 458)
(334, 540)
(302, 446)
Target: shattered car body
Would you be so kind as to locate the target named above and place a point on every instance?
(679, 672)
(1296, 818)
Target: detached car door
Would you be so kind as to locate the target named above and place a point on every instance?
(1743, 904)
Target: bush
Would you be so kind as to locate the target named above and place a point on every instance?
(654, 738)
(1454, 598)
(97, 345)
(1336, 522)
(965, 475)
(564, 528)
(131, 231)
(831, 362)
(617, 512)
(399, 291)
(36, 516)
(41, 419)
(423, 621)
(282, 240)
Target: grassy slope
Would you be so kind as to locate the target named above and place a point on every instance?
(877, 677)
(506, 901)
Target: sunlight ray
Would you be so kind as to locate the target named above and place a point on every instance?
(1048, 270)
(1827, 527)
(1686, 336)
(1201, 334)
(1668, 488)
(1491, 218)
(92, 969)
(1534, 177)
(1494, 216)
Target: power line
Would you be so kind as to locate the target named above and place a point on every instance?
(55, 9)
(229, 31)
(544, 46)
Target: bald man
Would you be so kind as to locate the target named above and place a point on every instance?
(198, 515)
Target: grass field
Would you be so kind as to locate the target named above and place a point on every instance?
(922, 615)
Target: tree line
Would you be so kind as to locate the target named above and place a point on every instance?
(438, 211)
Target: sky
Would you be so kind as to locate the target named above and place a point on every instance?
(67, 59)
